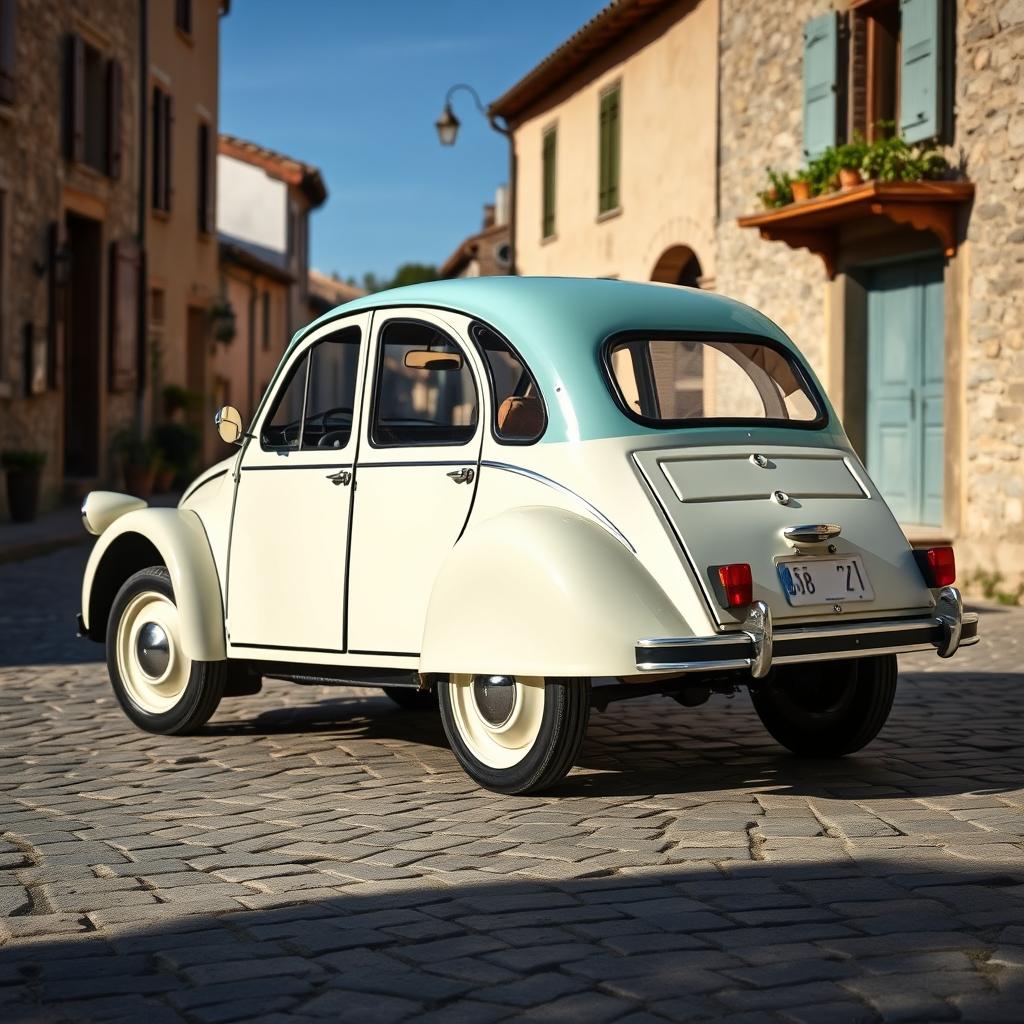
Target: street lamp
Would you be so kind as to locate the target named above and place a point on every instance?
(447, 126)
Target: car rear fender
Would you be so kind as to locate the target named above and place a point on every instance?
(152, 536)
(542, 591)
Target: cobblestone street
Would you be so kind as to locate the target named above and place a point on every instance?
(317, 853)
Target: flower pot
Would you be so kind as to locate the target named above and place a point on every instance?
(23, 493)
(801, 191)
(164, 480)
(849, 177)
(138, 480)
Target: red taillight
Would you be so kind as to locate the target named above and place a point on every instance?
(737, 584)
(940, 567)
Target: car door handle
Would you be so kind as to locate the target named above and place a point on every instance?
(343, 476)
(462, 476)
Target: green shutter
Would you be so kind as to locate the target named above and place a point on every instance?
(549, 157)
(920, 68)
(608, 186)
(821, 83)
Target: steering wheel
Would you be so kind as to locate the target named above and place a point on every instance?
(323, 417)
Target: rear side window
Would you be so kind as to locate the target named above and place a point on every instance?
(425, 392)
(519, 413)
(672, 381)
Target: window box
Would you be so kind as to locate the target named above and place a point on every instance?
(815, 223)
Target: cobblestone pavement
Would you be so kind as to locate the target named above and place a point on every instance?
(318, 854)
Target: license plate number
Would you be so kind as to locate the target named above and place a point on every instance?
(825, 580)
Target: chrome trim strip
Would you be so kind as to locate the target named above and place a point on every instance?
(695, 666)
(540, 478)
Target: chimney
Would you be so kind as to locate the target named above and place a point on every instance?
(501, 205)
(488, 216)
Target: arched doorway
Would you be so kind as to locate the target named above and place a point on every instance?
(678, 265)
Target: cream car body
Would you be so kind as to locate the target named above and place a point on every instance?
(402, 550)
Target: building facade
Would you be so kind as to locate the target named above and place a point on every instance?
(488, 252)
(182, 266)
(263, 204)
(70, 233)
(904, 296)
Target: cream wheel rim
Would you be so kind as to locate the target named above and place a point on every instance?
(498, 732)
(152, 666)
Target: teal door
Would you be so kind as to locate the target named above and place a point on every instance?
(906, 377)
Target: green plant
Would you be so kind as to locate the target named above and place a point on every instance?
(133, 449)
(823, 172)
(892, 159)
(21, 459)
(850, 155)
(176, 397)
(780, 188)
(989, 584)
(222, 318)
(177, 446)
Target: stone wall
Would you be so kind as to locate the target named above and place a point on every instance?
(38, 182)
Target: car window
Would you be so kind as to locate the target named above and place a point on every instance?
(425, 394)
(517, 406)
(680, 381)
(313, 408)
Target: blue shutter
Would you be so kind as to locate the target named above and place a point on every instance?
(920, 59)
(821, 92)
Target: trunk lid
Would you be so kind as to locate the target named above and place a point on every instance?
(719, 502)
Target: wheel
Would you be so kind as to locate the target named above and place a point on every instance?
(515, 734)
(410, 699)
(828, 709)
(159, 688)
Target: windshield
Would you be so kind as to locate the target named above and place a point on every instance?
(684, 380)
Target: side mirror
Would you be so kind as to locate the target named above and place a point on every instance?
(425, 359)
(229, 424)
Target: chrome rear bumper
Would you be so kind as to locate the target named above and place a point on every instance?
(757, 646)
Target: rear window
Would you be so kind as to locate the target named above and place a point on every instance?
(685, 381)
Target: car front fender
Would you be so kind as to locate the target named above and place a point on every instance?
(151, 536)
(541, 591)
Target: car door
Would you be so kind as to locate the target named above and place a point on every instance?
(417, 468)
(289, 536)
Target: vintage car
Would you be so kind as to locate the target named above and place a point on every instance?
(520, 498)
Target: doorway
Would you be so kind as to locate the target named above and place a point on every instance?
(906, 385)
(678, 265)
(84, 351)
(195, 371)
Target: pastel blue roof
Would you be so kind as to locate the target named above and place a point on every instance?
(557, 324)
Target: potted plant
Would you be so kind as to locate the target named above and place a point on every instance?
(849, 158)
(176, 399)
(801, 185)
(178, 446)
(24, 474)
(138, 462)
(222, 319)
(780, 189)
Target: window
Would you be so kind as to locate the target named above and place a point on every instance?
(314, 406)
(205, 209)
(608, 158)
(548, 185)
(8, 18)
(157, 305)
(671, 381)
(94, 88)
(163, 118)
(265, 302)
(425, 393)
(519, 414)
(183, 16)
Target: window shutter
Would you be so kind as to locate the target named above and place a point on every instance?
(205, 171)
(8, 57)
(613, 151)
(920, 67)
(115, 138)
(168, 151)
(550, 152)
(124, 309)
(74, 115)
(821, 83)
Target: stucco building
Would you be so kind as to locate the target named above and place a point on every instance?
(488, 251)
(642, 145)
(70, 230)
(264, 199)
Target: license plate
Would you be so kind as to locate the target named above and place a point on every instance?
(825, 580)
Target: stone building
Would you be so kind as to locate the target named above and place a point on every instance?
(264, 199)
(182, 266)
(70, 233)
(905, 297)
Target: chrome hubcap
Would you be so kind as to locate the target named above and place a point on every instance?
(153, 650)
(495, 698)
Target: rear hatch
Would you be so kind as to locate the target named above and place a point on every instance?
(730, 504)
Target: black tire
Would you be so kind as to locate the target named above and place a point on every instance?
(206, 679)
(828, 709)
(553, 753)
(408, 698)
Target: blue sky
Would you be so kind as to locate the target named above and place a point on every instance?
(355, 88)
